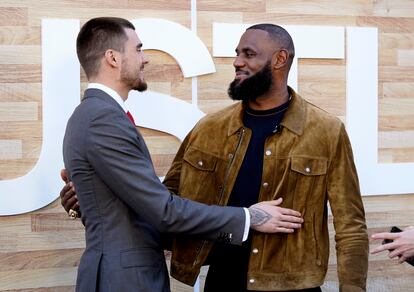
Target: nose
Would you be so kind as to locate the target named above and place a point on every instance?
(238, 62)
(145, 60)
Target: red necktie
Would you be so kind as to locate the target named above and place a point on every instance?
(130, 117)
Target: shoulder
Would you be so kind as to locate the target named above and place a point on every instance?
(317, 116)
(218, 119)
(100, 108)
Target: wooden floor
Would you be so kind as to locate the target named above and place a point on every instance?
(40, 251)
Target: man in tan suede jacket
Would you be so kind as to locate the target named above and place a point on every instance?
(277, 145)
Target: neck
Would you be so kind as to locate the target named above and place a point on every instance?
(271, 99)
(113, 84)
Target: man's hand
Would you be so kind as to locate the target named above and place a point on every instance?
(268, 218)
(402, 245)
(68, 197)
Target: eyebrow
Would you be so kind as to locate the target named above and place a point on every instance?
(245, 49)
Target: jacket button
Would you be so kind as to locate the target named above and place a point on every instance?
(307, 170)
(230, 155)
(255, 250)
(200, 163)
(251, 281)
(265, 184)
(268, 152)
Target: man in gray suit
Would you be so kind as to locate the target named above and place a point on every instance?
(124, 205)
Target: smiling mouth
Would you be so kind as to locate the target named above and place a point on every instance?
(240, 74)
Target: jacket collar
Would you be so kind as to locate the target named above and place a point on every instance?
(109, 91)
(102, 95)
(294, 118)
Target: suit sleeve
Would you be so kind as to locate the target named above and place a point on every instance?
(348, 217)
(118, 155)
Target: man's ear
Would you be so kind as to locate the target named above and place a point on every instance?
(112, 58)
(280, 59)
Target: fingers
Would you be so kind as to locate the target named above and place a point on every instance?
(277, 227)
(284, 230)
(292, 219)
(67, 188)
(383, 247)
(288, 222)
(395, 253)
(68, 197)
(64, 175)
(290, 212)
(386, 235)
(72, 203)
(401, 260)
(283, 211)
(273, 202)
(290, 225)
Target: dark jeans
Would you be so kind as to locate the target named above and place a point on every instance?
(228, 269)
(227, 288)
(215, 282)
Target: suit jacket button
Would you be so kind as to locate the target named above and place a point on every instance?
(251, 281)
(200, 163)
(255, 250)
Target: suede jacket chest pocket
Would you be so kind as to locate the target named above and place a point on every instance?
(200, 160)
(307, 182)
(198, 176)
(309, 166)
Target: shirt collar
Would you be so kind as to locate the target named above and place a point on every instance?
(112, 93)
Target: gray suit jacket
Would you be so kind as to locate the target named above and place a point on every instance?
(124, 206)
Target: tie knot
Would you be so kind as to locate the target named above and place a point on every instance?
(131, 118)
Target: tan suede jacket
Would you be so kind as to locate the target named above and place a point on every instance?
(308, 163)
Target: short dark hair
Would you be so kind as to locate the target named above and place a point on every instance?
(98, 35)
(279, 35)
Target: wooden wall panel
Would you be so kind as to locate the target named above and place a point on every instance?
(40, 251)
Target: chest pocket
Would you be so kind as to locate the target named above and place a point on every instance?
(307, 182)
(200, 160)
(198, 176)
(309, 166)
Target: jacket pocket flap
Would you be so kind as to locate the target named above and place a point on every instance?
(143, 257)
(200, 159)
(309, 166)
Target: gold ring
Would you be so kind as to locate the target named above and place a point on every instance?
(73, 214)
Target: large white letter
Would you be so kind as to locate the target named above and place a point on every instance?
(61, 88)
(362, 118)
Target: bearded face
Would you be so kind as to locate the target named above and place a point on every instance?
(133, 62)
(250, 88)
(133, 75)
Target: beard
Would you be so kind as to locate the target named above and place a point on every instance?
(252, 87)
(132, 79)
(140, 86)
